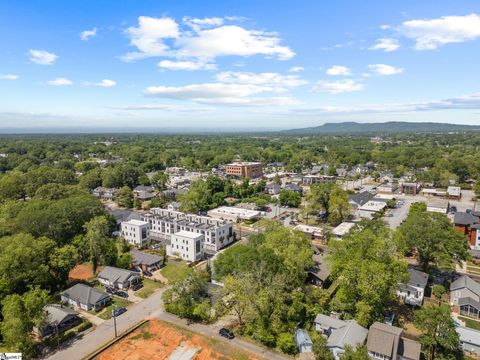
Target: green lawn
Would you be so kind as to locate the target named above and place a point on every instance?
(149, 286)
(176, 270)
(470, 323)
(107, 313)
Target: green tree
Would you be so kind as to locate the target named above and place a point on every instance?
(160, 180)
(290, 198)
(124, 197)
(439, 337)
(97, 231)
(359, 353)
(438, 291)
(338, 205)
(286, 343)
(434, 238)
(367, 268)
(124, 260)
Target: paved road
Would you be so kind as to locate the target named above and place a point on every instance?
(103, 333)
(150, 308)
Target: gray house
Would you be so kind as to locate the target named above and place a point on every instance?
(85, 297)
(58, 318)
(465, 296)
(145, 261)
(118, 278)
(340, 333)
(413, 291)
(360, 199)
(386, 342)
(469, 340)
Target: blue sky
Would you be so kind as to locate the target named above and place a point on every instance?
(239, 64)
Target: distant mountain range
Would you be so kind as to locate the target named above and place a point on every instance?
(385, 127)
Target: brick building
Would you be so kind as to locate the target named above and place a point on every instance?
(251, 170)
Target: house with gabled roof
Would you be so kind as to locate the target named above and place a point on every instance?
(145, 261)
(340, 333)
(118, 278)
(465, 296)
(413, 291)
(386, 342)
(85, 297)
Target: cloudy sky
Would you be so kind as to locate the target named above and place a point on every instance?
(239, 64)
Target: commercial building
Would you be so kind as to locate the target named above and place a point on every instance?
(186, 245)
(409, 188)
(438, 205)
(316, 179)
(369, 209)
(315, 232)
(341, 230)
(233, 213)
(135, 231)
(454, 192)
(165, 223)
(251, 170)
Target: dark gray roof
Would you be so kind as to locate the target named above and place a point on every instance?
(417, 278)
(293, 187)
(463, 218)
(361, 198)
(143, 188)
(56, 314)
(140, 257)
(466, 282)
(469, 301)
(85, 294)
(320, 268)
(113, 274)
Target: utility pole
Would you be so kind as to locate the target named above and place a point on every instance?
(58, 339)
(115, 319)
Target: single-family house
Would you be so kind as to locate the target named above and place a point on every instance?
(294, 187)
(58, 318)
(469, 340)
(340, 333)
(388, 188)
(273, 188)
(465, 297)
(315, 232)
(319, 274)
(385, 342)
(469, 225)
(413, 291)
(145, 261)
(85, 297)
(174, 206)
(303, 341)
(104, 193)
(118, 278)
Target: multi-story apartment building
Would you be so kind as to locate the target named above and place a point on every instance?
(164, 223)
(136, 232)
(186, 245)
(251, 170)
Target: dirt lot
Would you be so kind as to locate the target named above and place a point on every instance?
(160, 340)
(82, 272)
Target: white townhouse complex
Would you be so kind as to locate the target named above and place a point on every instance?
(164, 223)
(136, 232)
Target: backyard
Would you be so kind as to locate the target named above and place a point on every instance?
(175, 270)
(149, 287)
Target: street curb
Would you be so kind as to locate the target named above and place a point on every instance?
(92, 355)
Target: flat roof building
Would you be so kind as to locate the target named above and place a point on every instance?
(244, 169)
(233, 213)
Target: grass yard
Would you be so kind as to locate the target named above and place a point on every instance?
(176, 270)
(149, 287)
(107, 313)
(470, 323)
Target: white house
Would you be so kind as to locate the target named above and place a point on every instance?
(438, 205)
(186, 245)
(413, 291)
(135, 231)
(343, 229)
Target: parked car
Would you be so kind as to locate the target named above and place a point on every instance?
(136, 286)
(118, 311)
(388, 319)
(121, 294)
(453, 209)
(226, 333)
(147, 273)
(469, 211)
(110, 290)
(135, 269)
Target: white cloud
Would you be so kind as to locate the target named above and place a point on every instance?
(186, 65)
(465, 102)
(337, 87)
(149, 37)
(106, 83)
(9, 77)
(87, 34)
(296, 69)
(164, 107)
(338, 70)
(430, 34)
(383, 69)
(223, 94)
(204, 40)
(270, 79)
(42, 57)
(60, 82)
(386, 44)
